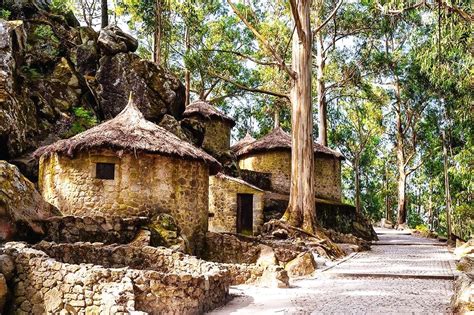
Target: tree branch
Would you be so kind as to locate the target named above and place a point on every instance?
(263, 63)
(296, 17)
(262, 39)
(334, 11)
(249, 89)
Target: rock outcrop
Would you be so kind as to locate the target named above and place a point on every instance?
(112, 40)
(20, 205)
(156, 91)
(462, 302)
(302, 265)
(59, 78)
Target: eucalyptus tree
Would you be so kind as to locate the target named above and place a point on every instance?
(301, 207)
(357, 130)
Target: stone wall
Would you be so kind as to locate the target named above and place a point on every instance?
(216, 136)
(108, 230)
(223, 191)
(173, 283)
(144, 185)
(327, 174)
(259, 179)
(334, 215)
(278, 164)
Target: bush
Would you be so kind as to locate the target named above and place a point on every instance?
(5, 14)
(60, 6)
(83, 119)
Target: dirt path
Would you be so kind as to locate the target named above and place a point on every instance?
(402, 274)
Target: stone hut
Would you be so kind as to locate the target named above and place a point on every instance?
(128, 166)
(235, 206)
(217, 124)
(272, 155)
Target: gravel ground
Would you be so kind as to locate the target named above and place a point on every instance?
(389, 279)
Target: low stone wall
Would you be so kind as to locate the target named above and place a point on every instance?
(108, 230)
(334, 215)
(54, 277)
(230, 248)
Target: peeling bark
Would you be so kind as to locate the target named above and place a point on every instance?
(301, 209)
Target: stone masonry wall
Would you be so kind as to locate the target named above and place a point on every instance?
(46, 285)
(278, 163)
(223, 204)
(144, 184)
(217, 135)
(328, 178)
(70, 229)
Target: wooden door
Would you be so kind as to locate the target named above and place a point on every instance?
(245, 214)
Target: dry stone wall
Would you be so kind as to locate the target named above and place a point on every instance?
(278, 164)
(44, 284)
(70, 229)
(143, 184)
(223, 195)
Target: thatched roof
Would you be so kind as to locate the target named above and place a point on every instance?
(278, 140)
(242, 142)
(130, 131)
(206, 110)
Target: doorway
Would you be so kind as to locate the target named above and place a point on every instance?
(245, 214)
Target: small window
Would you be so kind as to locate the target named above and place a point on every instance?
(105, 170)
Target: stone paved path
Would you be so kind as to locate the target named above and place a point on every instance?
(410, 275)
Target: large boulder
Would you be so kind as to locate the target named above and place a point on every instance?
(164, 231)
(462, 301)
(3, 293)
(156, 91)
(172, 125)
(20, 205)
(112, 40)
(302, 265)
(17, 112)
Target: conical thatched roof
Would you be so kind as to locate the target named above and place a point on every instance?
(278, 139)
(206, 110)
(242, 142)
(130, 131)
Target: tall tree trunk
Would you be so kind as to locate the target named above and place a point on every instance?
(157, 33)
(276, 117)
(104, 10)
(321, 87)
(430, 207)
(402, 203)
(388, 212)
(357, 185)
(301, 210)
(187, 74)
(402, 178)
(446, 186)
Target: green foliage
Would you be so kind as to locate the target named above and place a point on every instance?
(4, 14)
(83, 119)
(414, 219)
(31, 73)
(61, 6)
